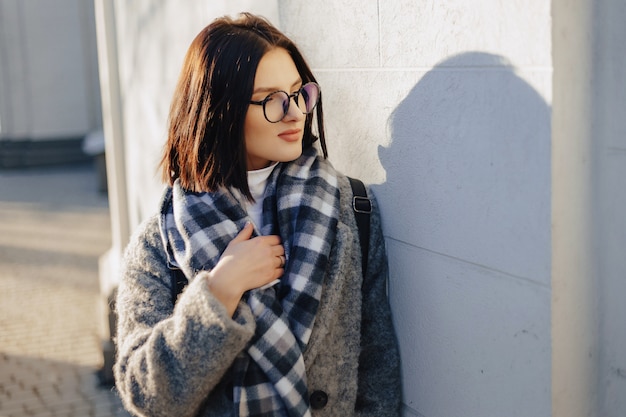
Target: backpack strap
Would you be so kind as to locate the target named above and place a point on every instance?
(362, 207)
(179, 282)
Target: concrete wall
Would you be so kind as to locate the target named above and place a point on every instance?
(48, 70)
(446, 109)
(589, 166)
(610, 221)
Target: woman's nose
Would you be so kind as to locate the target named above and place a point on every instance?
(293, 111)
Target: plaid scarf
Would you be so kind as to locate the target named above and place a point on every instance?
(301, 204)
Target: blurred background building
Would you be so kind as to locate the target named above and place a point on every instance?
(494, 134)
(49, 86)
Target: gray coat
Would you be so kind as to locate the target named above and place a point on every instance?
(175, 360)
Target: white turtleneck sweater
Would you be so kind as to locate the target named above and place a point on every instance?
(257, 181)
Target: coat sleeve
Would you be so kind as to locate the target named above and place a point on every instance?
(170, 358)
(379, 389)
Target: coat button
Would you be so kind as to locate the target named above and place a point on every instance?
(318, 399)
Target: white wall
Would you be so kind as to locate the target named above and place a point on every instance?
(589, 166)
(609, 171)
(610, 119)
(48, 70)
(445, 107)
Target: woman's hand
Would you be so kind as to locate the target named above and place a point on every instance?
(246, 264)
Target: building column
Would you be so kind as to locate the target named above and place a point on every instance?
(116, 174)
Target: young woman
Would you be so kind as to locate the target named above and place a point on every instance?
(278, 318)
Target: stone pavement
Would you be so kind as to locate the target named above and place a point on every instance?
(54, 225)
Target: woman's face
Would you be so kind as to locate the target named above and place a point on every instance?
(274, 142)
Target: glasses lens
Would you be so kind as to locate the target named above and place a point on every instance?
(276, 106)
(308, 97)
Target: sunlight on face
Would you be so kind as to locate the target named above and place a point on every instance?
(274, 142)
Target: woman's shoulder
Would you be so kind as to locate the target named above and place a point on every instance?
(347, 209)
(148, 230)
(345, 195)
(146, 241)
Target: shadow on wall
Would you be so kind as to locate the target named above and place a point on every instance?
(466, 210)
(470, 159)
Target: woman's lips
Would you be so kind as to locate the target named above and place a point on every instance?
(291, 135)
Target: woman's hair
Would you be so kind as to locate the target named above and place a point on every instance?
(205, 146)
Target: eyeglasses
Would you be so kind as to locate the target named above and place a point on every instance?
(276, 104)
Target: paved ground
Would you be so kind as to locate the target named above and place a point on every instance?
(54, 225)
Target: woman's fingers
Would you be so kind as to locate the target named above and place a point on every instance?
(247, 263)
(253, 261)
(244, 234)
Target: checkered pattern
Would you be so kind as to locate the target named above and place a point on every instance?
(301, 204)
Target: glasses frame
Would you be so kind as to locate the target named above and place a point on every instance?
(293, 96)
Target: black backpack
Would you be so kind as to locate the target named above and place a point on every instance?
(362, 207)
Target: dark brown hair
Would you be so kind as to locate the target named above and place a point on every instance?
(205, 146)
